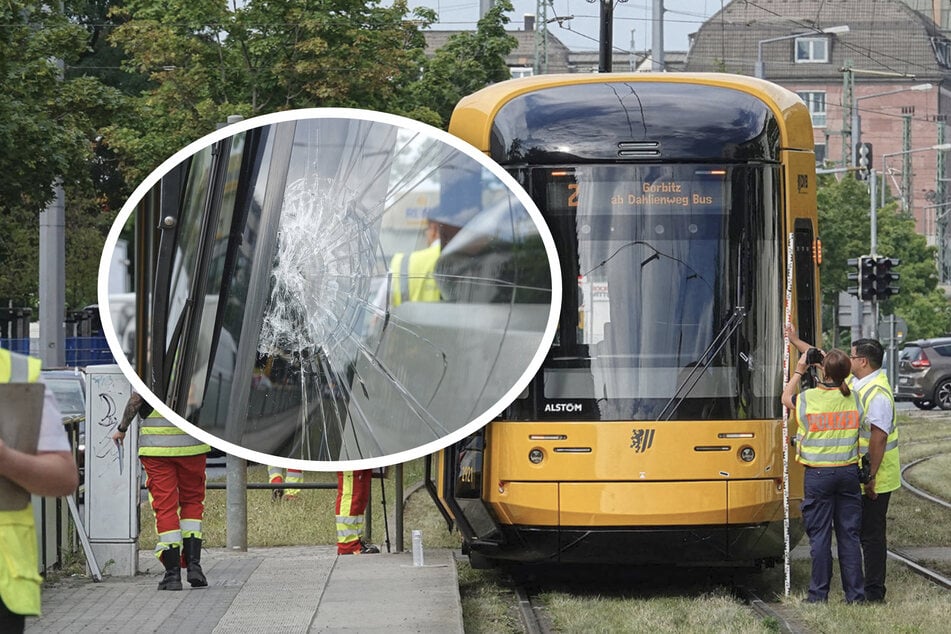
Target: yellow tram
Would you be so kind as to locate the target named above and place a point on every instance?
(653, 432)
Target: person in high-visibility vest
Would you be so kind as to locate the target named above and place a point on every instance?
(879, 440)
(412, 275)
(353, 494)
(174, 465)
(411, 281)
(827, 443)
(51, 471)
(276, 475)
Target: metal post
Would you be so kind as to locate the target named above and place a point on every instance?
(658, 63)
(941, 220)
(606, 47)
(236, 505)
(858, 316)
(906, 114)
(848, 104)
(398, 507)
(856, 132)
(52, 271)
(873, 212)
(873, 242)
(541, 37)
(891, 351)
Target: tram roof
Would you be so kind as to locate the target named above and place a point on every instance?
(482, 106)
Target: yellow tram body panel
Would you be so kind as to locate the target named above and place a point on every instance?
(692, 473)
(642, 503)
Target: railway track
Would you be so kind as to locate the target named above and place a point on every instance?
(780, 616)
(905, 559)
(918, 492)
(773, 612)
(529, 614)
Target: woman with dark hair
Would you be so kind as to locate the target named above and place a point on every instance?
(827, 444)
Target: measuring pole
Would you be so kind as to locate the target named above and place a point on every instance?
(788, 316)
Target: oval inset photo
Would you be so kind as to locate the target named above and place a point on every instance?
(330, 289)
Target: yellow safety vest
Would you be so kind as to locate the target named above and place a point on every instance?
(160, 437)
(828, 427)
(413, 276)
(19, 579)
(888, 477)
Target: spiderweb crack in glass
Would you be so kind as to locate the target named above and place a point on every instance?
(320, 270)
(378, 290)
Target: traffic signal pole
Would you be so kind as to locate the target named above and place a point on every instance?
(874, 274)
(873, 243)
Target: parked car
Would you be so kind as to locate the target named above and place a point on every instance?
(924, 373)
(69, 388)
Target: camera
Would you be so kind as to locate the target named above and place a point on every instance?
(814, 356)
(865, 470)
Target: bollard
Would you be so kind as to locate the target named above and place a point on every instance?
(417, 548)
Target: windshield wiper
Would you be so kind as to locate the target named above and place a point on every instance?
(690, 381)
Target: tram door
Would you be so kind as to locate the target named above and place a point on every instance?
(462, 489)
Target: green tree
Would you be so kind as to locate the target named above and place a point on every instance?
(143, 78)
(845, 230)
(467, 63)
(49, 118)
(206, 62)
(40, 140)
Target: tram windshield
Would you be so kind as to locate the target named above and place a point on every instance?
(673, 299)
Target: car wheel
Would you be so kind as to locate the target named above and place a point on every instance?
(942, 394)
(924, 404)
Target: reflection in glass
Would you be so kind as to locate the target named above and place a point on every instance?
(342, 289)
(669, 280)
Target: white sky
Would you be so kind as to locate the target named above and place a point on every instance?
(682, 17)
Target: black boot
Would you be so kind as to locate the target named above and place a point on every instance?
(172, 560)
(196, 577)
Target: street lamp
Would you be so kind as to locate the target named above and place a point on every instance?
(857, 117)
(831, 30)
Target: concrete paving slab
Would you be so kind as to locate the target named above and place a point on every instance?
(288, 589)
(387, 593)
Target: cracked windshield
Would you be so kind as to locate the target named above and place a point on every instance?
(342, 289)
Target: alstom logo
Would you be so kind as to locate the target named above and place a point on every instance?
(562, 407)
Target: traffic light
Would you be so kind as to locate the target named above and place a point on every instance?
(874, 277)
(886, 276)
(863, 160)
(863, 276)
(865, 156)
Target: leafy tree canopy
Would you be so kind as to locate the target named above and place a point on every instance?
(144, 78)
(206, 61)
(49, 118)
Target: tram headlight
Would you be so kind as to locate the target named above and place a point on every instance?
(747, 454)
(536, 455)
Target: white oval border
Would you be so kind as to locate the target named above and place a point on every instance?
(329, 113)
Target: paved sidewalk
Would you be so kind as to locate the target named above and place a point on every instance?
(288, 589)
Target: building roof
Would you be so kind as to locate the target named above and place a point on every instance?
(885, 36)
(560, 58)
(522, 55)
